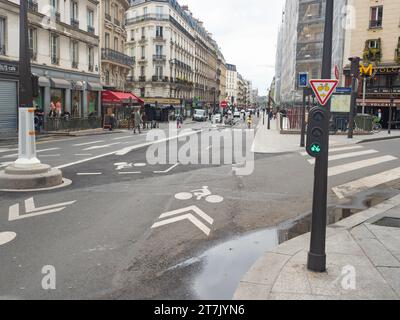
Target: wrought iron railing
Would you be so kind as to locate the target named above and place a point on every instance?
(74, 23)
(108, 17)
(90, 29)
(112, 55)
(71, 124)
(33, 5)
(147, 17)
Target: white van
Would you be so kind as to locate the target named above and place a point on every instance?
(199, 115)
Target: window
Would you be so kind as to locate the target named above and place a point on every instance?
(159, 32)
(107, 6)
(2, 36)
(115, 11)
(90, 18)
(107, 41)
(143, 52)
(159, 50)
(159, 11)
(373, 44)
(145, 11)
(74, 11)
(376, 17)
(132, 35)
(54, 49)
(54, 4)
(142, 92)
(159, 72)
(75, 54)
(143, 32)
(90, 58)
(116, 44)
(142, 71)
(32, 34)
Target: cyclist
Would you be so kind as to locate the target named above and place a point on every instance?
(249, 121)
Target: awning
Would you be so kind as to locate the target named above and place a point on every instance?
(44, 82)
(93, 86)
(60, 83)
(109, 96)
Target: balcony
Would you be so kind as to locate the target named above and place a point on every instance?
(118, 57)
(58, 16)
(74, 64)
(90, 67)
(159, 39)
(142, 40)
(33, 5)
(142, 79)
(75, 23)
(108, 17)
(90, 29)
(159, 58)
(397, 55)
(147, 17)
(372, 54)
(375, 24)
(117, 22)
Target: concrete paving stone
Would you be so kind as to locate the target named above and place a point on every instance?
(362, 232)
(294, 245)
(251, 291)
(294, 296)
(392, 276)
(327, 283)
(343, 243)
(378, 254)
(293, 279)
(266, 270)
(389, 237)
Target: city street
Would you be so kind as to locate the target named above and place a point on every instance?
(103, 233)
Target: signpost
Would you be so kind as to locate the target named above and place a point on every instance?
(318, 147)
(303, 80)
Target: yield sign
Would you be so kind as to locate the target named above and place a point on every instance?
(323, 89)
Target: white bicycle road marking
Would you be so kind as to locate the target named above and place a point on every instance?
(6, 237)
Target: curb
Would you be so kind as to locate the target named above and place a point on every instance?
(378, 139)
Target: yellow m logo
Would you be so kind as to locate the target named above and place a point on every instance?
(366, 70)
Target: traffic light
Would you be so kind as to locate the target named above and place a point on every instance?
(316, 134)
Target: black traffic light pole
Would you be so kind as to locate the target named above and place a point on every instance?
(317, 256)
(303, 120)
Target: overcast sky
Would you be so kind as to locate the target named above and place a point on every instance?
(246, 31)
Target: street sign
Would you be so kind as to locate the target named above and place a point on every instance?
(344, 90)
(303, 79)
(323, 89)
(366, 70)
(224, 104)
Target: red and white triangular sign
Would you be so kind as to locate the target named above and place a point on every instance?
(323, 89)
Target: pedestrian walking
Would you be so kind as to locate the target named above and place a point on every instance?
(138, 121)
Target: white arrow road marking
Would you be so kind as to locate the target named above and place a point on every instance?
(101, 147)
(168, 170)
(32, 211)
(6, 237)
(5, 164)
(7, 150)
(87, 143)
(188, 216)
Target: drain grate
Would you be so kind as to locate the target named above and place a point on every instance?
(388, 222)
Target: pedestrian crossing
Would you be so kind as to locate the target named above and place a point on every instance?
(351, 159)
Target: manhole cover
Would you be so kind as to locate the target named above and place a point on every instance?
(388, 222)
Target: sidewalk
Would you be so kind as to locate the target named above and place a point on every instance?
(271, 141)
(363, 262)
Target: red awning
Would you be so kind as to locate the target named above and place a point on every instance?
(109, 96)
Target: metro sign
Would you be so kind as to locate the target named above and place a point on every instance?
(323, 89)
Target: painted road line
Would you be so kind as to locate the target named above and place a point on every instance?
(168, 170)
(354, 187)
(358, 165)
(6, 237)
(5, 164)
(101, 147)
(348, 155)
(126, 173)
(89, 173)
(346, 149)
(30, 205)
(87, 143)
(83, 154)
(7, 150)
(50, 155)
(120, 152)
(38, 151)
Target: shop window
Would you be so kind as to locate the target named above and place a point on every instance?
(93, 103)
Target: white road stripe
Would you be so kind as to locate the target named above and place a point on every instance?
(50, 155)
(358, 165)
(87, 143)
(83, 154)
(101, 147)
(89, 174)
(126, 173)
(168, 170)
(37, 151)
(122, 138)
(366, 183)
(7, 150)
(348, 155)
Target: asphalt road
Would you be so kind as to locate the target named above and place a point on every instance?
(102, 244)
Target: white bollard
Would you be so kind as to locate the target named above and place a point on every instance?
(26, 139)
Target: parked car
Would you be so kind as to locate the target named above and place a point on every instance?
(236, 114)
(199, 115)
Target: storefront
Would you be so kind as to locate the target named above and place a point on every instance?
(8, 98)
(120, 104)
(163, 109)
